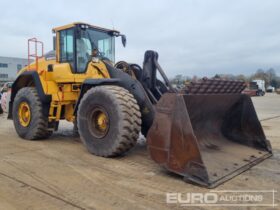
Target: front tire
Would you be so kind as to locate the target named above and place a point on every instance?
(29, 120)
(109, 120)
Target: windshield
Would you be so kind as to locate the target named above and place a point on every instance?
(91, 39)
(104, 42)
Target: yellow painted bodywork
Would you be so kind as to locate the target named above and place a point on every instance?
(64, 85)
(75, 23)
(61, 83)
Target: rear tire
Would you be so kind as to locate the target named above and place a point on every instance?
(121, 120)
(37, 127)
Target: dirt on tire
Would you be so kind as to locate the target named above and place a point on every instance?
(124, 120)
(38, 126)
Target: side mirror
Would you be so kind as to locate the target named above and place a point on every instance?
(123, 40)
(54, 42)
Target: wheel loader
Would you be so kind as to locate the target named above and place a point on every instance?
(207, 133)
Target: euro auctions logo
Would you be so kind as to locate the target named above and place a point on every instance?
(192, 198)
(224, 198)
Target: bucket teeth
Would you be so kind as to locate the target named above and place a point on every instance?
(215, 86)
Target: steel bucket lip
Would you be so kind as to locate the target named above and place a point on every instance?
(223, 179)
(212, 182)
(172, 109)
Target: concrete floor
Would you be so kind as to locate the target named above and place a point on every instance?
(59, 173)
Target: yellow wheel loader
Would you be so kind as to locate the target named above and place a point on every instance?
(208, 132)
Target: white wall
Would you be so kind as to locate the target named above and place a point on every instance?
(12, 68)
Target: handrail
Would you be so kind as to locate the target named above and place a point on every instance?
(35, 54)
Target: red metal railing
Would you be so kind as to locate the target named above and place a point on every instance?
(33, 52)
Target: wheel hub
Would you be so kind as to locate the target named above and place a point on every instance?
(24, 114)
(99, 122)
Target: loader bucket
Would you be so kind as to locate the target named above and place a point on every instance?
(207, 139)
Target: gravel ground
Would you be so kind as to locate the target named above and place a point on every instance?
(59, 173)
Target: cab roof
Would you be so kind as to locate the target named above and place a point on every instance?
(81, 23)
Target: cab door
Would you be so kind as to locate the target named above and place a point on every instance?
(63, 71)
(85, 68)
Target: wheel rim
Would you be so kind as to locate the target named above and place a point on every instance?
(99, 125)
(24, 114)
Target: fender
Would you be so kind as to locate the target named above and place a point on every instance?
(89, 83)
(122, 79)
(29, 79)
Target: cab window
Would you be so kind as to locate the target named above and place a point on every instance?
(67, 46)
(84, 50)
